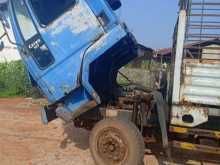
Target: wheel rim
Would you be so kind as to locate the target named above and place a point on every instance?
(112, 146)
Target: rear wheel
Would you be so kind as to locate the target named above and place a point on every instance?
(116, 142)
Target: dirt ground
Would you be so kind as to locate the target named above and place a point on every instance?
(25, 141)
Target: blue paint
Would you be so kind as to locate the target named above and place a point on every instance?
(88, 45)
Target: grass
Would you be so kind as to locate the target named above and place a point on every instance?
(14, 80)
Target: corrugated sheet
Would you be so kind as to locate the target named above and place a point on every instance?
(211, 52)
(201, 82)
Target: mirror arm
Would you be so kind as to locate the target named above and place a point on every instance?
(9, 39)
(6, 25)
(3, 35)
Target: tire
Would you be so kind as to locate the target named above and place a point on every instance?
(116, 142)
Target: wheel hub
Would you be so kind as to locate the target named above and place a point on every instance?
(112, 147)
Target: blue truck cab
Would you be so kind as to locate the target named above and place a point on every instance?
(72, 50)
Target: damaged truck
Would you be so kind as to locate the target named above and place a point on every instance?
(73, 50)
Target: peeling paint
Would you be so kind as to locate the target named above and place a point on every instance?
(199, 114)
(77, 20)
(102, 42)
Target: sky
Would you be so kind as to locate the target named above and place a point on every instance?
(151, 21)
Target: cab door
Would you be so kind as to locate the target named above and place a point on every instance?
(37, 56)
(56, 41)
(69, 30)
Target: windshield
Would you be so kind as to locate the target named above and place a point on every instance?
(47, 11)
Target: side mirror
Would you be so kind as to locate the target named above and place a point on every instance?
(4, 21)
(115, 4)
(2, 45)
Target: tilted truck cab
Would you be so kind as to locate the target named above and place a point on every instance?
(73, 50)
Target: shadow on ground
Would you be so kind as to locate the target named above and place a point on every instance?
(76, 136)
(80, 139)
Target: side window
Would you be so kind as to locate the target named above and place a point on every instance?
(24, 21)
(32, 38)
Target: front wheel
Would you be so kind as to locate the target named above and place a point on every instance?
(116, 142)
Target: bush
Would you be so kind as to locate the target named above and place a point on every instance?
(14, 80)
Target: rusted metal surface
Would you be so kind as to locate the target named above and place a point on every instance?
(127, 102)
(196, 147)
(188, 115)
(192, 115)
(112, 146)
(196, 132)
(196, 91)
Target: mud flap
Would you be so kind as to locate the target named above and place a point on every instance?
(48, 115)
(161, 110)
